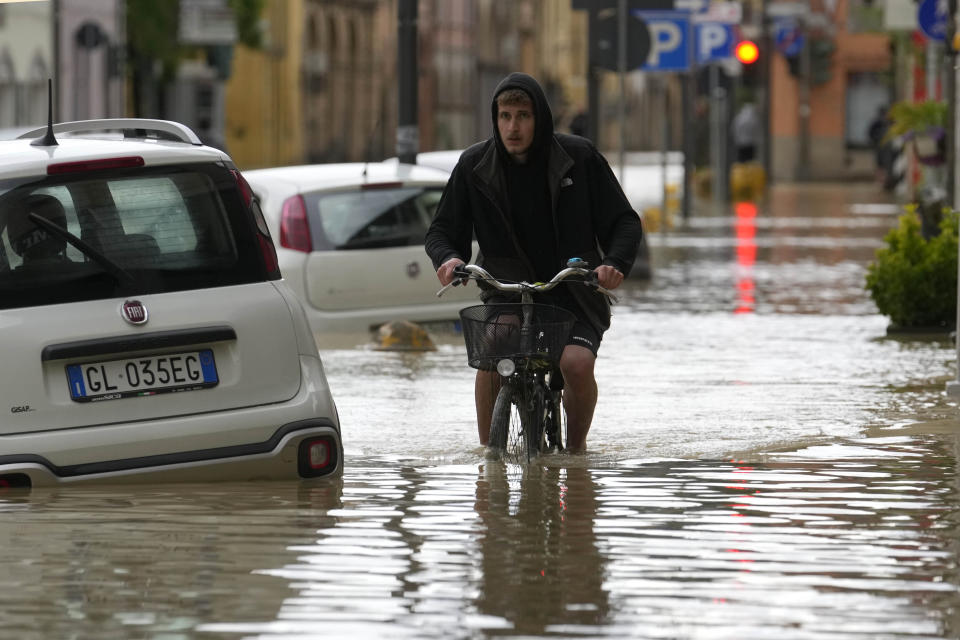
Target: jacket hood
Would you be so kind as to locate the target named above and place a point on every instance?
(543, 116)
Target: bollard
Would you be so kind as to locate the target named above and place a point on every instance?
(403, 335)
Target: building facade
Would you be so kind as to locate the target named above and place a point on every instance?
(26, 61)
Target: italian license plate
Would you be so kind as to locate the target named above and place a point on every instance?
(143, 376)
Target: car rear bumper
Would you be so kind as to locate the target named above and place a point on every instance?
(257, 443)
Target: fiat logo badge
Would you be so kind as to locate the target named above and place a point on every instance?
(134, 312)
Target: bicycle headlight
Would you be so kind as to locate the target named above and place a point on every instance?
(506, 367)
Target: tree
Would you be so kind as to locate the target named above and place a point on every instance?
(154, 51)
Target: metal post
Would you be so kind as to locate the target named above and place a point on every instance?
(622, 68)
(718, 135)
(950, 89)
(689, 143)
(664, 148)
(931, 70)
(593, 83)
(408, 129)
(57, 85)
(953, 387)
(803, 166)
(766, 87)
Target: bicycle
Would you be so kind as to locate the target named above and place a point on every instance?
(522, 342)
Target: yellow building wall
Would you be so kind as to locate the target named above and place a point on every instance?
(263, 95)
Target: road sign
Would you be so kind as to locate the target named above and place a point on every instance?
(932, 18)
(788, 36)
(714, 41)
(605, 34)
(671, 45)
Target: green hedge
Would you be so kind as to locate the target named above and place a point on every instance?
(913, 281)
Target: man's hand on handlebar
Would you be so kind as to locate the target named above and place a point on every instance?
(445, 273)
(607, 277)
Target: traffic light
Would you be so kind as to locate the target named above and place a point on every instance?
(746, 52)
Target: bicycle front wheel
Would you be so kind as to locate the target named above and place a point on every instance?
(518, 421)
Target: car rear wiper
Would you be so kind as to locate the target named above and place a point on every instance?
(111, 267)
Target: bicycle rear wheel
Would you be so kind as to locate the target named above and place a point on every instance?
(555, 429)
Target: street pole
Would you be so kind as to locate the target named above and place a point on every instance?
(57, 52)
(408, 128)
(664, 149)
(766, 72)
(593, 83)
(689, 143)
(622, 68)
(950, 88)
(718, 135)
(953, 387)
(803, 166)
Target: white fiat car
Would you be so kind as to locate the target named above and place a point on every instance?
(146, 333)
(350, 241)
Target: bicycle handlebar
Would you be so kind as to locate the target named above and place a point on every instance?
(466, 272)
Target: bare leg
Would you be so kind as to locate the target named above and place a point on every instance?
(579, 394)
(485, 394)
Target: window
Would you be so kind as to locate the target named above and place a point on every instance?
(168, 229)
(372, 218)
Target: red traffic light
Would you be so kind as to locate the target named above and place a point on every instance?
(746, 52)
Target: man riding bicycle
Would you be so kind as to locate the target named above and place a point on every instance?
(533, 199)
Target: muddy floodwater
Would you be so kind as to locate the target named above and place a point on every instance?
(766, 462)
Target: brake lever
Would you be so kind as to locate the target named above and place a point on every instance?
(593, 281)
(462, 275)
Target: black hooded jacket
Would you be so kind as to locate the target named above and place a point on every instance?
(592, 218)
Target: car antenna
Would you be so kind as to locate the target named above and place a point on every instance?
(48, 139)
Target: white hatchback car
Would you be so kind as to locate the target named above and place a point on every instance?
(350, 241)
(147, 334)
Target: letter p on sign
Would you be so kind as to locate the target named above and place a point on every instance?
(664, 37)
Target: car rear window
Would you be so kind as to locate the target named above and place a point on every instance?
(163, 229)
(372, 217)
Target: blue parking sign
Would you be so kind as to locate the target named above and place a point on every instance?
(670, 41)
(715, 41)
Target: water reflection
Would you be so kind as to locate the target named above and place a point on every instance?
(849, 539)
(745, 230)
(541, 567)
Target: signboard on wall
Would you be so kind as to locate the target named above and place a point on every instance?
(206, 22)
(899, 15)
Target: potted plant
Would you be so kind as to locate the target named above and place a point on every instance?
(913, 280)
(922, 123)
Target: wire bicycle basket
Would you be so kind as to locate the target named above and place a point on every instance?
(493, 332)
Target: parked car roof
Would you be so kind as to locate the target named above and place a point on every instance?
(349, 174)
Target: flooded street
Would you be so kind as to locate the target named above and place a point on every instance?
(765, 462)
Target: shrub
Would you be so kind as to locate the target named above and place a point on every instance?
(913, 281)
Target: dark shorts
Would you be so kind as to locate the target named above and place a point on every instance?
(582, 334)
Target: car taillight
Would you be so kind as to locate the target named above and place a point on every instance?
(269, 255)
(317, 457)
(244, 187)
(294, 225)
(267, 250)
(94, 165)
